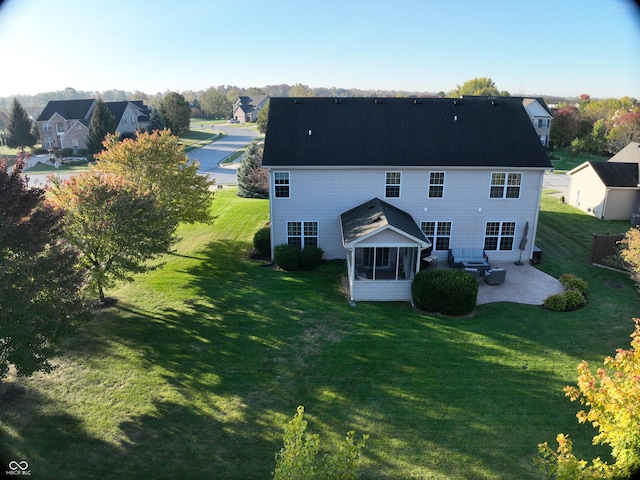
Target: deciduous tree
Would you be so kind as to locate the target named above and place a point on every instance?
(101, 124)
(477, 86)
(263, 116)
(176, 113)
(40, 282)
(116, 224)
(253, 180)
(19, 127)
(214, 103)
(157, 161)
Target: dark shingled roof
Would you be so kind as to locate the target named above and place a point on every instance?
(617, 174)
(69, 109)
(401, 132)
(374, 215)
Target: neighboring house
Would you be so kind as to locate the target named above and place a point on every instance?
(65, 123)
(385, 182)
(539, 114)
(247, 107)
(608, 190)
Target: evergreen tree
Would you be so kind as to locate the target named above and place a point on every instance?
(156, 121)
(253, 180)
(176, 113)
(102, 123)
(19, 127)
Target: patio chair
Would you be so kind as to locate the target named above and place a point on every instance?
(495, 276)
(473, 272)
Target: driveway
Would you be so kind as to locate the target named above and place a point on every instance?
(210, 156)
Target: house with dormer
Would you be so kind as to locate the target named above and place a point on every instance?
(65, 123)
(247, 107)
(384, 182)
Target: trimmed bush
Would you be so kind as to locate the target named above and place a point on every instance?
(288, 257)
(262, 242)
(311, 258)
(556, 302)
(571, 282)
(574, 299)
(449, 292)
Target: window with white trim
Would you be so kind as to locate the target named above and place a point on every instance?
(505, 185)
(281, 184)
(392, 184)
(436, 184)
(46, 127)
(302, 234)
(48, 142)
(438, 233)
(499, 235)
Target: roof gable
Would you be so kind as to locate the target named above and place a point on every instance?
(68, 109)
(374, 216)
(630, 153)
(617, 174)
(401, 132)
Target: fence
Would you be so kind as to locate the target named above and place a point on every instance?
(603, 246)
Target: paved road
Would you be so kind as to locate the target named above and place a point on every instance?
(212, 154)
(557, 181)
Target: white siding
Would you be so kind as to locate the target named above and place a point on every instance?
(620, 204)
(587, 192)
(383, 291)
(322, 195)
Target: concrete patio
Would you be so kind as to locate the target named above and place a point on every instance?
(523, 284)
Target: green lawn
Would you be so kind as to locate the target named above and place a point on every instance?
(566, 163)
(196, 368)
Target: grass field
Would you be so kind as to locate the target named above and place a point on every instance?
(566, 163)
(195, 370)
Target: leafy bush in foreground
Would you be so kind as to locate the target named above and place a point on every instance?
(311, 257)
(288, 257)
(299, 458)
(262, 242)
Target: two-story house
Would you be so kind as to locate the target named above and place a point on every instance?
(247, 107)
(65, 123)
(383, 182)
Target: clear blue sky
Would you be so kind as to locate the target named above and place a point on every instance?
(551, 47)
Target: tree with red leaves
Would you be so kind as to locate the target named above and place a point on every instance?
(40, 282)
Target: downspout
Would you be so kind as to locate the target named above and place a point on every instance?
(534, 232)
(271, 194)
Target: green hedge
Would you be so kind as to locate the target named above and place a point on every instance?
(450, 292)
(288, 257)
(262, 242)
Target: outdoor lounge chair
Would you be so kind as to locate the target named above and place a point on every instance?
(495, 276)
(473, 272)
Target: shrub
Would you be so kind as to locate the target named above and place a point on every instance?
(299, 458)
(66, 152)
(262, 242)
(556, 302)
(311, 257)
(571, 282)
(450, 292)
(574, 299)
(288, 257)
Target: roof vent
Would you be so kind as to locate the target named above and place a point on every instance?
(371, 206)
(309, 132)
(377, 102)
(297, 101)
(337, 101)
(455, 102)
(455, 118)
(415, 101)
(377, 219)
(493, 103)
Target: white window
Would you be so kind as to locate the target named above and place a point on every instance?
(124, 121)
(302, 234)
(505, 185)
(48, 142)
(46, 127)
(60, 127)
(392, 184)
(438, 233)
(499, 235)
(281, 183)
(436, 184)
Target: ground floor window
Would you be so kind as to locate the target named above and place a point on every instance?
(302, 234)
(499, 235)
(438, 233)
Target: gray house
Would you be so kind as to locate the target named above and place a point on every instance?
(384, 182)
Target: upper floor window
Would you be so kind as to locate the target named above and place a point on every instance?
(543, 123)
(505, 185)
(60, 127)
(499, 235)
(302, 234)
(392, 185)
(124, 121)
(438, 233)
(436, 184)
(281, 183)
(46, 127)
